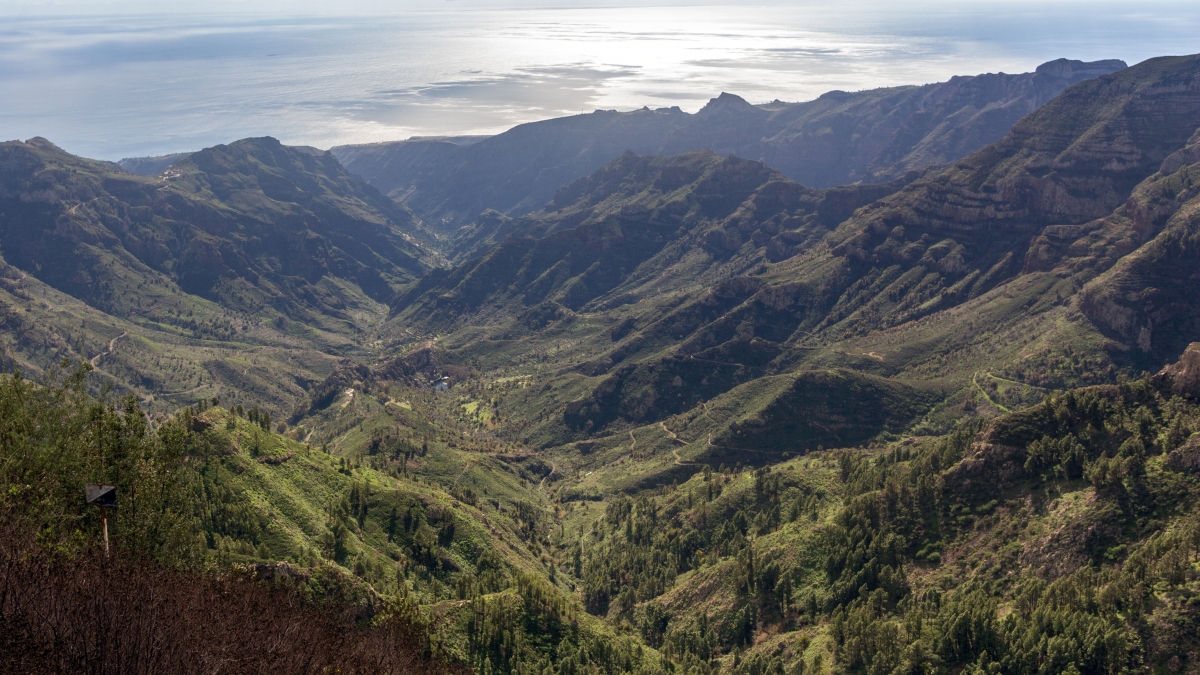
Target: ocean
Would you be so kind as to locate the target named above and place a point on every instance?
(117, 85)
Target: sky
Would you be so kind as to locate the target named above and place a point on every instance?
(110, 79)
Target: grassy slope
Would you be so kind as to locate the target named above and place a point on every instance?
(506, 528)
(166, 365)
(296, 485)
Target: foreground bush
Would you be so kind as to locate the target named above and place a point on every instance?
(92, 614)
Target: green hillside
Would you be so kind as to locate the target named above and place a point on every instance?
(1061, 536)
(1059, 539)
(244, 271)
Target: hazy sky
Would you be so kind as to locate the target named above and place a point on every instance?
(354, 7)
(114, 79)
(376, 7)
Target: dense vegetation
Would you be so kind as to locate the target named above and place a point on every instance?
(156, 603)
(1080, 554)
(1084, 561)
(365, 552)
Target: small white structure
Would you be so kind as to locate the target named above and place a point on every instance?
(441, 384)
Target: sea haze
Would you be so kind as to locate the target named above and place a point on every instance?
(115, 86)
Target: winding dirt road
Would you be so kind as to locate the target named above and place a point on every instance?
(75, 208)
(111, 345)
(679, 461)
(984, 394)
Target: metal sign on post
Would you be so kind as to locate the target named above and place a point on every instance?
(105, 497)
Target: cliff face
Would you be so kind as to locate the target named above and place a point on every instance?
(1182, 378)
(1148, 299)
(840, 138)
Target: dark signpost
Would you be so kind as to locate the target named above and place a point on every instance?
(105, 497)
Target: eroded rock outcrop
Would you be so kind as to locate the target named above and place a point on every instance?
(1186, 457)
(1182, 378)
(1148, 297)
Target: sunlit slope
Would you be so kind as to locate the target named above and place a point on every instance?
(400, 488)
(410, 503)
(167, 365)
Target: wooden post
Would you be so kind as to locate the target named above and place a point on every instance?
(104, 497)
(104, 525)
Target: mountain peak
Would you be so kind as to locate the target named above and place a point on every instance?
(1074, 71)
(726, 102)
(39, 142)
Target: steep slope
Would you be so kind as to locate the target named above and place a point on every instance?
(837, 139)
(250, 217)
(1058, 539)
(681, 219)
(182, 283)
(309, 216)
(955, 235)
(194, 350)
(1147, 300)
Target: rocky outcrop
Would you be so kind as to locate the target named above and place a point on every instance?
(347, 375)
(421, 368)
(1185, 458)
(1148, 298)
(1182, 378)
(986, 471)
(1181, 158)
(1078, 537)
(281, 571)
(418, 368)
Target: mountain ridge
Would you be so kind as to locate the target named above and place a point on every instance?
(873, 136)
